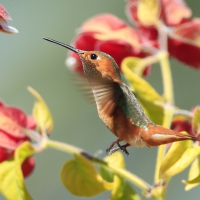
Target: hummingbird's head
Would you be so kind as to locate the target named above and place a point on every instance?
(96, 64)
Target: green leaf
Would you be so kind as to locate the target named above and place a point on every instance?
(81, 178)
(122, 190)
(150, 100)
(196, 121)
(194, 175)
(41, 112)
(116, 159)
(179, 156)
(12, 183)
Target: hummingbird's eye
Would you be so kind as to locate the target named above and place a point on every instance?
(93, 56)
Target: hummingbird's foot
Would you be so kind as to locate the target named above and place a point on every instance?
(123, 148)
(109, 149)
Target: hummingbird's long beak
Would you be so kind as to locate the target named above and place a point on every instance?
(64, 45)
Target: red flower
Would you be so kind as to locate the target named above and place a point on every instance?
(13, 122)
(4, 27)
(172, 12)
(109, 34)
(182, 125)
(184, 44)
(182, 32)
(186, 124)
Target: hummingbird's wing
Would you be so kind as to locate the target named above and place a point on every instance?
(110, 95)
(107, 95)
(132, 109)
(83, 86)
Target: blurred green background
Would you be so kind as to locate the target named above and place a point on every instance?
(27, 60)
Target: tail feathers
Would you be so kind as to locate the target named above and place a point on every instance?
(158, 135)
(193, 138)
(180, 136)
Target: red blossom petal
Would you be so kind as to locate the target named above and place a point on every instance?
(85, 41)
(188, 30)
(131, 11)
(182, 125)
(7, 141)
(5, 154)
(10, 127)
(31, 123)
(102, 23)
(147, 71)
(28, 166)
(10, 141)
(184, 43)
(175, 12)
(12, 121)
(185, 53)
(15, 115)
(108, 34)
(118, 50)
(127, 35)
(1, 103)
(4, 27)
(4, 14)
(149, 36)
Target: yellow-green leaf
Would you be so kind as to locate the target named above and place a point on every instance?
(196, 121)
(194, 175)
(81, 178)
(145, 93)
(12, 183)
(179, 156)
(41, 112)
(116, 159)
(122, 190)
(148, 12)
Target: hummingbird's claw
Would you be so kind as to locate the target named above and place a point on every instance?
(123, 148)
(110, 151)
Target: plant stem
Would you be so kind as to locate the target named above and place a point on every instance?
(126, 174)
(169, 110)
(63, 147)
(160, 156)
(168, 107)
(122, 172)
(167, 78)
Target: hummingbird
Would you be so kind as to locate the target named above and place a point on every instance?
(118, 106)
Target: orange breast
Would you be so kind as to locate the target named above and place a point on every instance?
(122, 127)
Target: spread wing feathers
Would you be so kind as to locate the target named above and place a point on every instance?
(132, 108)
(107, 95)
(110, 95)
(83, 86)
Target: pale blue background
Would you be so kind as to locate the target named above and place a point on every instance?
(27, 60)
